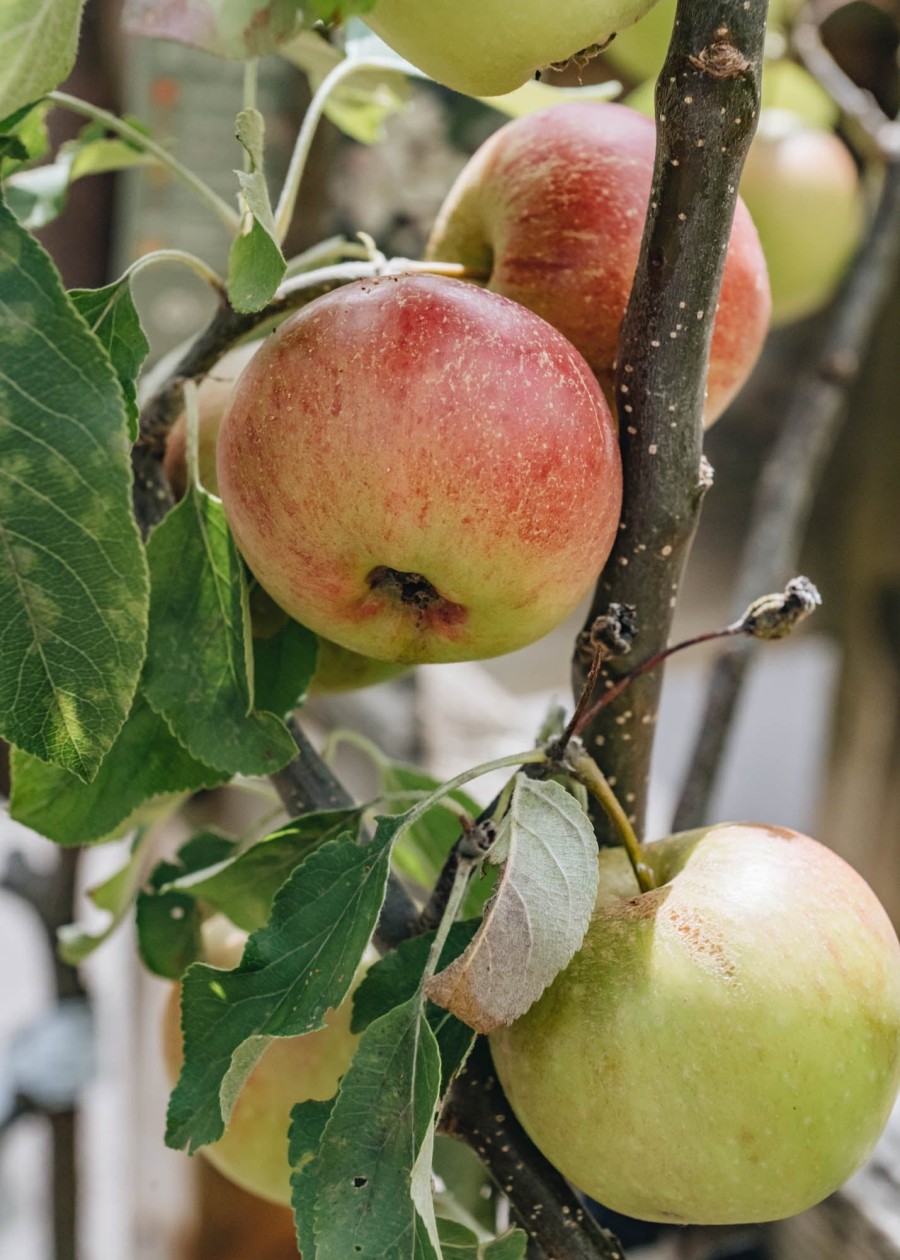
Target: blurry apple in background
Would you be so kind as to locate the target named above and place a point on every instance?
(489, 47)
(803, 190)
(253, 1150)
(723, 1049)
(420, 470)
(551, 208)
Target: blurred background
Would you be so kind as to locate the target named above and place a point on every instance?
(816, 743)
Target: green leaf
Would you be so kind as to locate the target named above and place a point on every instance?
(361, 103)
(111, 315)
(459, 1243)
(541, 911)
(256, 265)
(244, 887)
(145, 763)
(373, 1167)
(116, 896)
(24, 137)
(196, 674)
(396, 977)
(38, 43)
(308, 1122)
(301, 963)
(73, 577)
(283, 667)
(168, 923)
(39, 195)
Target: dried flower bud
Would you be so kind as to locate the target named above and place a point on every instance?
(775, 616)
(613, 632)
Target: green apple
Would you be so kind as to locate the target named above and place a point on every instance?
(802, 188)
(723, 1049)
(419, 470)
(253, 1152)
(552, 207)
(489, 47)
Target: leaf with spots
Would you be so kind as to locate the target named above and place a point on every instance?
(539, 915)
(73, 577)
(198, 674)
(146, 764)
(293, 969)
(111, 316)
(373, 1168)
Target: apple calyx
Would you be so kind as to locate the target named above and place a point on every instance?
(413, 590)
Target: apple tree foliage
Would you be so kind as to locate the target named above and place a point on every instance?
(130, 679)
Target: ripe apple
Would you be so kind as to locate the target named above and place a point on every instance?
(485, 48)
(420, 470)
(803, 190)
(724, 1049)
(337, 669)
(552, 208)
(254, 1148)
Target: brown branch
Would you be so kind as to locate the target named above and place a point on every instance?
(542, 1201)
(791, 473)
(707, 106)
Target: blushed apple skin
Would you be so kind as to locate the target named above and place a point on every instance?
(551, 209)
(724, 1049)
(421, 427)
(489, 47)
(253, 1152)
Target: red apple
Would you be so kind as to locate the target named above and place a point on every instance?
(420, 470)
(551, 208)
(723, 1049)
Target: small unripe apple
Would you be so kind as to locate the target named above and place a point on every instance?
(420, 470)
(723, 1049)
(253, 1152)
(489, 47)
(803, 190)
(551, 209)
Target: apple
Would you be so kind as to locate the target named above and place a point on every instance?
(336, 668)
(212, 398)
(552, 209)
(803, 190)
(723, 1049)
(420, 470)
(253, 1152)
(485, 48)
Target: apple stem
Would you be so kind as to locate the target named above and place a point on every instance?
(585, 769)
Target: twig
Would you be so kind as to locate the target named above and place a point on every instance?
(707, 106)
(543, 1202)
(791, 473)
(307, 784)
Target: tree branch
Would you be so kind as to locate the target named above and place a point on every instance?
(791, 473)
(707, 107)
(542, 1200)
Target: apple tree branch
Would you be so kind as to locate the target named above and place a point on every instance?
(707, 104)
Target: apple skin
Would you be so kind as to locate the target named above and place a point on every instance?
(552, 209)
(724, 1049)
(803, 190)
(420, 470)
(482, 48)
(253, 1152)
